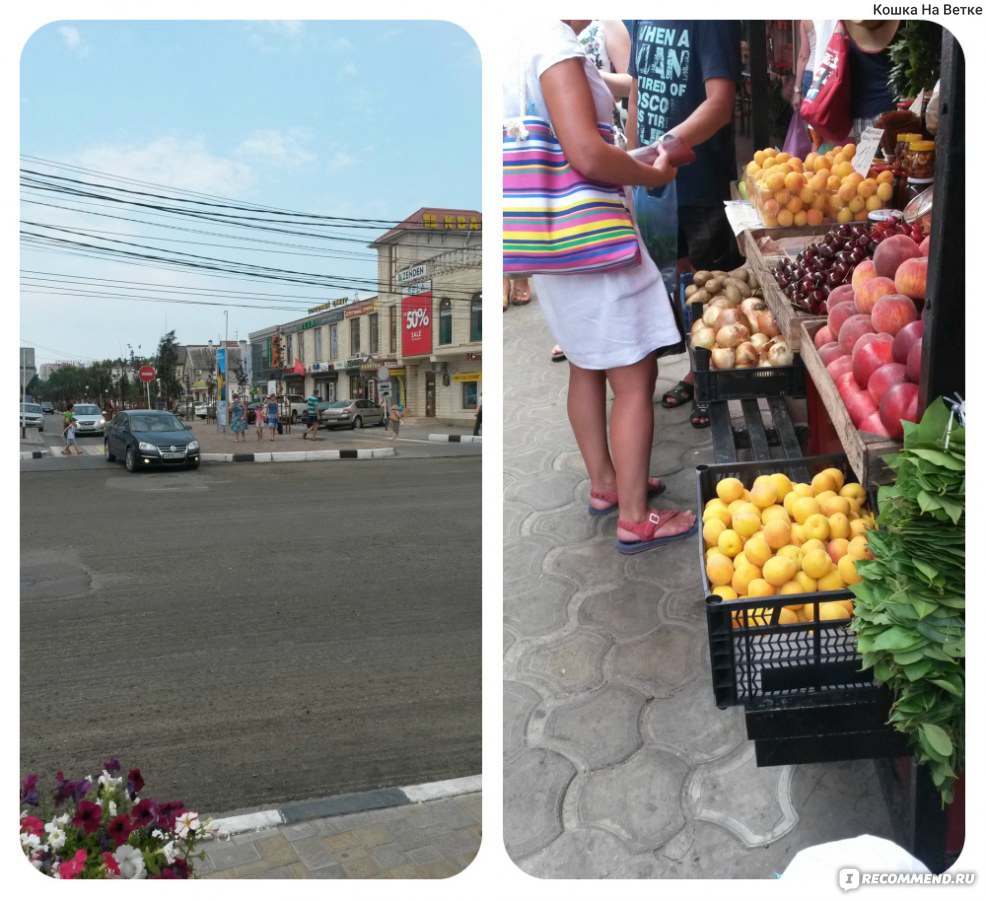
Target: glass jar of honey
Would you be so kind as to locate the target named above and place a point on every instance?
(922, 159)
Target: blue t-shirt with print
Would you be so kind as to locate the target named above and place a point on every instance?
(671, 61)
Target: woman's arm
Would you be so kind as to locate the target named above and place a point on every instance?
(573, 117)
(801, 62)
(618, 50)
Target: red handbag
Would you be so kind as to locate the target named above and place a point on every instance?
(827, 105)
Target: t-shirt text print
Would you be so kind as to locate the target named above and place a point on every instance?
(663, 60)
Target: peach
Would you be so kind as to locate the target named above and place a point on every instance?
(853, 329)
(911, 277)
(863, 272)
(838, 315)
(892, 312)
(892, 251)
(925, 246)
(872, 290)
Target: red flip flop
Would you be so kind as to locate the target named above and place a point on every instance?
(654, 487)
(647, 531)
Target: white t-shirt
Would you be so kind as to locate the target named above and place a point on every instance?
(601, 320)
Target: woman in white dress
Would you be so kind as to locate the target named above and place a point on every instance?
(609, 323)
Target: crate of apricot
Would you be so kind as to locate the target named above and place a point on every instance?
(779, 541)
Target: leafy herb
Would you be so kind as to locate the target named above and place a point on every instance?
(910, 604)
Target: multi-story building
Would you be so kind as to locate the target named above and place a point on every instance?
(418, 342)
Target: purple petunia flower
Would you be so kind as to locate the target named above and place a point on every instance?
(119, 828)
(29, 790)
(87, 816)
(168, 812)
(144, 813)
(112, 765)
(135, 783)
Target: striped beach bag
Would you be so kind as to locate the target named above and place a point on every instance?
(555, 220)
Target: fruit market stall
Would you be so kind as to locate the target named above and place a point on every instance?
(832, 555)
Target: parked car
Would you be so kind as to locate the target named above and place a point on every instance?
(201, 409)
(32, 416)
(351, 414)
(296, 406)
(89, 418)
(47, 407)
(145, 438)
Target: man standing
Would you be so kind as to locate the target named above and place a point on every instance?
(684, 85)
(312, 413)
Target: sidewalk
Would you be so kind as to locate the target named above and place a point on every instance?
(428, 831)
(617, 762)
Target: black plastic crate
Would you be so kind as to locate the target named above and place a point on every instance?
(763, 658)
(740, 384)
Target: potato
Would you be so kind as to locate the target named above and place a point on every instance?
(742, 273)
(732, 292)
(700, 296)
(714, 285)
(740, 286)
(700, 277)
(691, 289)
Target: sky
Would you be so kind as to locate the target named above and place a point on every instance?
(130, 127)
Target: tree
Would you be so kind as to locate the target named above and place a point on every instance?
(167, 366)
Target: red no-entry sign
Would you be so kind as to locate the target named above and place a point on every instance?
(146, 373)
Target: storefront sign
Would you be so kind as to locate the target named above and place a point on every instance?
(359, 309)
(474, 357)
(416, 319)
(398, 373)
(331, 304)
(447, 221)
(468, 376)
(354, 363)
(412, 273)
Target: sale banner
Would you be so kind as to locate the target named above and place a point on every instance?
(416, 327)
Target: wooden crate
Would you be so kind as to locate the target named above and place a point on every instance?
(865, 451)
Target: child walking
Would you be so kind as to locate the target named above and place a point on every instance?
(68, 432)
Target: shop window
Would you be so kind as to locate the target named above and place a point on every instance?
(476, 318)
(301, 346)
(445, 321)
(374, 332)
(470, 394)
(333, 342)
(393, 328)
(288, 351)
(318, 345)
(354, 336)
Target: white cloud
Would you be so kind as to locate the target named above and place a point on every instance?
(276, 36)
(284, 149)
(186, 164)
(340, 159)
(72, 38)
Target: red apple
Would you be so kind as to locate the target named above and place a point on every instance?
(839, 367)
(885, 378)
(868, 357)
(853, 328)
(892, 251)
(823, 336)
(838, 315)
(911, 278)
(864, 271)
(899, 403)
(892, 312)
(838, 294)
(913, 363)
(872, 290)
(874, 424)
(905, 337)
(830, 351)
(925, 246)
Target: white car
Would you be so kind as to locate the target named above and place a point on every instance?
(89, 419)
(32, 417)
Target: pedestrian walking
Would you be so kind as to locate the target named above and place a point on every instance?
(238, 420)
(611, 323)
(478, 425)
(396, 414)
(271, 413)
(259, 420)
(311, 412)
(68, 433)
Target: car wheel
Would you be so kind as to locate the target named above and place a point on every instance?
(192, 465)
(130, 460)
(110, 457)
(357, 423)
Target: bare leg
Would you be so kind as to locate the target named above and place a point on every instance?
(632, 433)
(587, 415)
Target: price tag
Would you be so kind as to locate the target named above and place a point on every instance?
(742, 216)
(866, 149)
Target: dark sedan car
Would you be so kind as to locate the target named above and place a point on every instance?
(145, 438)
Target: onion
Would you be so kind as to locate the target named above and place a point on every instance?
(747, 356)
(709, 315)
(780, 354)
(730, 316)
(704, 337)
(752, 305)
(723, 357)
(759, 339)
(731, 336)
(762, 320)
(698, 323)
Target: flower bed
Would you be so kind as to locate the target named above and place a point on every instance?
(103, 828)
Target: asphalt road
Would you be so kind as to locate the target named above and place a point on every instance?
(250, 635)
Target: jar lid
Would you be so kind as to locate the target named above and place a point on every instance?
(922, 146)
(907, 137)
(920, 180)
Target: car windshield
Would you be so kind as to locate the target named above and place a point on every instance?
(156, 423)
(30, 407)
(85, 409)
(339, 404)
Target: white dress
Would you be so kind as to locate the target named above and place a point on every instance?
(602, 320)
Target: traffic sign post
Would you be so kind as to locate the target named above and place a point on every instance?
(147, 375)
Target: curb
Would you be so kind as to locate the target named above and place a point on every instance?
(344, 804)
(35, 454)
(457, 438)
(299, 455)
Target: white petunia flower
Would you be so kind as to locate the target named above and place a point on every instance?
(30, 840)
(131, 861)
(108, 781)
(187, 822)
(56, 836)
(170, 852)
